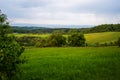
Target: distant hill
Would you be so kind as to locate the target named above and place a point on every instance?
(53, 26)
(30, 29)
(102, 28)
(70, 29)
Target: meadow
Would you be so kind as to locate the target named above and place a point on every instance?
(71, 63)
(102, 37)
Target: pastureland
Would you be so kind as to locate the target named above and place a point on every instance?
(72, 63)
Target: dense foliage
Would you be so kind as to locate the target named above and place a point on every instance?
(105, 28)
(76, 40)
(54, 40)
(10, 51)
(28, 40)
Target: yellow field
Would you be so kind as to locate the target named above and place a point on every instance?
(35, 35)
(102, 37)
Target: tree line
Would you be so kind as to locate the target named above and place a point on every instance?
(54, 40)
(41, 30)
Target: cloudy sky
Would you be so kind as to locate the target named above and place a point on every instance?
(77, 12)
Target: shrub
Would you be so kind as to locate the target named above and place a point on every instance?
(56, 40)
(76, 40)
(10, 51)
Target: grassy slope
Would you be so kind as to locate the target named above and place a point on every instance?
(102, 37)
(72, 64)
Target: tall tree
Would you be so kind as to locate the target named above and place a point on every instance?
(10, 51)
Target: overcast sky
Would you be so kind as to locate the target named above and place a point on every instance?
(78, 12)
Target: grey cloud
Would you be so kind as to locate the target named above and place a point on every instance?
(50, 9)
(101, 7)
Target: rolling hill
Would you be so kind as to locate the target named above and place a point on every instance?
(102, 37)
(66, 29)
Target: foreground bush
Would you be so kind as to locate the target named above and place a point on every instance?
(10, 52)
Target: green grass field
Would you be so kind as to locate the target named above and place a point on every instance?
(91, 38)
(89, 63)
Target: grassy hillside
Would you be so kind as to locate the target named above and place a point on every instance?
(102, 37)
(72, 64)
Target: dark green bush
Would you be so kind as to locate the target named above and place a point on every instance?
(76, 40)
